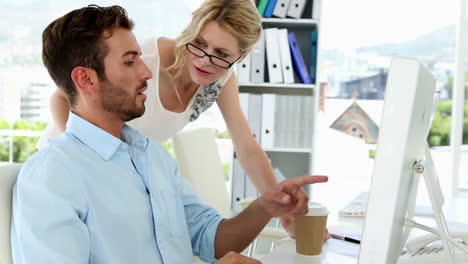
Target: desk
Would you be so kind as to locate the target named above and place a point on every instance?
(285, 252)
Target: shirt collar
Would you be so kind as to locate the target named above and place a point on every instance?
(100, 141)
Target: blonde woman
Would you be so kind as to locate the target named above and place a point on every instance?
(191, 73)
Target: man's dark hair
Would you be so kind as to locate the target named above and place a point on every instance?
(78, 39)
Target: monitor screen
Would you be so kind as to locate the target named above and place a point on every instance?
(408, 107)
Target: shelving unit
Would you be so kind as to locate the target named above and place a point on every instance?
(278, 88)
(291, 160)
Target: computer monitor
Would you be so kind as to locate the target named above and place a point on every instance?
(408, 108)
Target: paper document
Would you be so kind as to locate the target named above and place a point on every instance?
(350, 230)
(341, 247)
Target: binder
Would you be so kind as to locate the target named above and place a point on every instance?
(282, 110)
(313, 56)
(289, 110)
(273, 55)
(255, 123)
(310, 105)
(269, 8)
(307, 101)
(316, 6)
(250, 190)
(243, 70)
(261, 6)
(280, 122)
(296, 8)
(297, 122)
(297, 59)
(244, 103)
(268, 120)
(257, 61)
(238, 185)
(281, 8)
(255, 115)
(286, 63)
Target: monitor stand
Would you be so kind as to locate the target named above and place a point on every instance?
(426, 168)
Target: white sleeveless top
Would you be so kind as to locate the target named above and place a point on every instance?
(157, 122)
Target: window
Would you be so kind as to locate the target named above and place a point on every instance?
(357, 42)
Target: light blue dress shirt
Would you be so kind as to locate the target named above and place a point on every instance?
(92, 198)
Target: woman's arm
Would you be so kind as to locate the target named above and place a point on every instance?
(60, 108)
(251, 156)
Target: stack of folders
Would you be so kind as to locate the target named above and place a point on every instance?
(279, 121)
(279, 54)
(292, 122)
(282, 8)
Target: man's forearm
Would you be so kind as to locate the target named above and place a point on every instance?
(236, 233)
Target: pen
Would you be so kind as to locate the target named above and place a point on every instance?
(345, 238)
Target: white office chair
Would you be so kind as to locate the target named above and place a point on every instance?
(197, 154)
(8, 174)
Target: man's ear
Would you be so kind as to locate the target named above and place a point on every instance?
(85, 79)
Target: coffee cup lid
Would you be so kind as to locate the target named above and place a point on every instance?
(317, 209)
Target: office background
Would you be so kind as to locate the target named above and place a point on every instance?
(357, 40)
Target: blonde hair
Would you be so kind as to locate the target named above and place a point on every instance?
(238, 17)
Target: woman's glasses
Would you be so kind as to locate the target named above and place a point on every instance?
(215, 60)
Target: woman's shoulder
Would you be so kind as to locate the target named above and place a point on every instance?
(166, 49)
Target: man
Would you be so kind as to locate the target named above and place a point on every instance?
(104, 193)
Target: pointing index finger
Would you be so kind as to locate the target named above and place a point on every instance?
(305, 180)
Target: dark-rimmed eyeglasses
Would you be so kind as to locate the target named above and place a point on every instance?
(215, 60)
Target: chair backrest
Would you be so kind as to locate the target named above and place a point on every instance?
(197, 154)
(8, 174)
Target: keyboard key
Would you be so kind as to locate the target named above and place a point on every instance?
(357, 207)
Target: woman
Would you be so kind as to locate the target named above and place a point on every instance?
(194, 71)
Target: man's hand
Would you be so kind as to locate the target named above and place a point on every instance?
(235, 258)
(287, 198)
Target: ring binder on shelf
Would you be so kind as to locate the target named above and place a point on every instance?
(269, 8)
(268, 120)
(297, 59)
(296, 8)
(257, 61)
(281, 8)
(275, 74)
(243, 70)
(313, 55)
(262, 6)
(286, 63)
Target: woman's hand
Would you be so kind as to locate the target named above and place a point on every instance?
(287, 198)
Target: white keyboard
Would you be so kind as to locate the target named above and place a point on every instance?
(357, 207)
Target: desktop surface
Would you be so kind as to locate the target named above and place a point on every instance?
(285, 253)
(342, 252)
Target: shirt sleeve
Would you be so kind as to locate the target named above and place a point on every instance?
(203, 222)
(48, 215)
(202, 219)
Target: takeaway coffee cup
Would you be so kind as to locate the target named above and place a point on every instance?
(310, 230)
